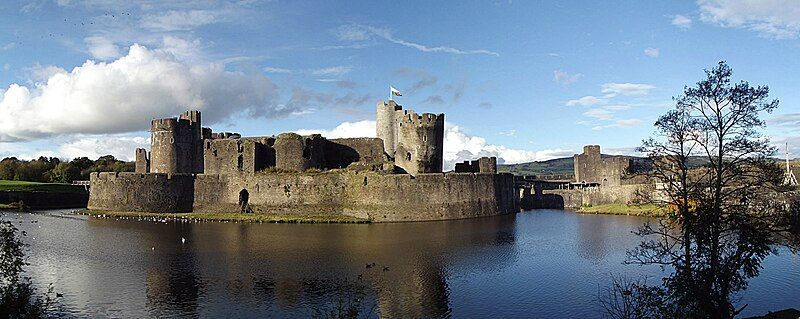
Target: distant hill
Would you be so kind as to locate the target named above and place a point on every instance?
(565, 165)
(553, 166)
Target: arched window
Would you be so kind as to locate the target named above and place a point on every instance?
(408, 156)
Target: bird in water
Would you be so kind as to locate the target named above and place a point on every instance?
(183, 240)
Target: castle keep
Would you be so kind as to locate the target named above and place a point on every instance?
(394, 177)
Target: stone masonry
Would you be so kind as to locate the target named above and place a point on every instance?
(395, 177)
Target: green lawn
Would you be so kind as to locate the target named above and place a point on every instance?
(235, 217)
(6, 185)
(622, 209)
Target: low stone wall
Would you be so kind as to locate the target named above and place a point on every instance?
(154, 192)
(431, 196)
(49, 200)
(379, 197)
(576, 198)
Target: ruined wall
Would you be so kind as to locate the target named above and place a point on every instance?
(380, 197)
(160, 193)
(299, 153)
(227, 156)
(482, 165)
(196, 134)
(590, 167)
(355, 153)
(142, 161)
(420, 143)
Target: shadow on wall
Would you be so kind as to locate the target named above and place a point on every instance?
(542, 201)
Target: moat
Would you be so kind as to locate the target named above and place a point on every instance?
(543, 263)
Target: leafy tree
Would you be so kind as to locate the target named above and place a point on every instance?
(723, 217)
(64, 172)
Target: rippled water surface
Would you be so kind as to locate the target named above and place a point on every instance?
(536, 264)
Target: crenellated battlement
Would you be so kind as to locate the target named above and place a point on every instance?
(424, 119)
(131, 176)
(167, 124)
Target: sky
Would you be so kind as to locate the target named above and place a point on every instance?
(520, 80)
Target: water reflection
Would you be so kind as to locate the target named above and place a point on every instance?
(524, 265)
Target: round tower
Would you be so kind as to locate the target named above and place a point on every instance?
(386, 125)
(420, 143)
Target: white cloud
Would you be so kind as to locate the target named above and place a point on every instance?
(619, 124)
(122, 147)
(509, 133)
(600, 114)
(585, 101)
(682, 21)
(39, 73)
(101, 48)
(364, 128)
(614, 89)
(123, 95)
(174, 20)
(778, 19)
(270, 69)
(332, 71)
(181, 48)
(458, 145)
(351, 33)
(565, 78)
(652, 52)
(361, 32)
(6, 67)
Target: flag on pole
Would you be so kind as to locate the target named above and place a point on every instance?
(395, 92)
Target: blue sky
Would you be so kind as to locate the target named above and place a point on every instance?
(522, 80)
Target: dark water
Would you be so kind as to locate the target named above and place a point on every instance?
(540, 264)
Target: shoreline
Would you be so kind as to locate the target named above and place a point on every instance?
(645, 210)
(228, 217)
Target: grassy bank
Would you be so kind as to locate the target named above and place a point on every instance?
(232, 217)
(6, 185)
(623, 209)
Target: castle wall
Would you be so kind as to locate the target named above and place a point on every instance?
(380, 197)
(159, 193)
(420, 147)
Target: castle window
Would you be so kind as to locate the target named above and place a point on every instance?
(240, 163)
(172, 140)
(408, 156)
(424, 138)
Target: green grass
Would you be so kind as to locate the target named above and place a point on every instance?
(6, 185)
(623, 209)
(234, 217)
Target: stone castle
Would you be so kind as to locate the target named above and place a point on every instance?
(394, 177)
